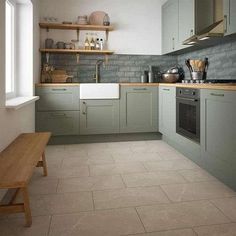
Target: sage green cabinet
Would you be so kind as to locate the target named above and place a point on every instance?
(229, 16)
(99, 116)
(170, 26)
(167, 110)
(58, 122)
(218, 133)
(186, 28)
(138, 109)
(58, 98)
(57, 110)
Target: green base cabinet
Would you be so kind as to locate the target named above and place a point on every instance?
(58, 98)
(99, 117)
(138, 109)
(167, 110)
(58, 122)
(218, 134)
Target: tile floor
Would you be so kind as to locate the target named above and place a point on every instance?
(143, 188)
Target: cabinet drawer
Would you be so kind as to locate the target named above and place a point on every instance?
(59, 123)
(58, 98)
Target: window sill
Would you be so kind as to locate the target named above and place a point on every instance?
(19, 102)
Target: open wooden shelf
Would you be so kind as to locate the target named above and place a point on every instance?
(79, 51)
(75, 27)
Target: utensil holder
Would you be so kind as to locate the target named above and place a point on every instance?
(197, 75)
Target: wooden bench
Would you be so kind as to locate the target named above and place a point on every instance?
(17, 163)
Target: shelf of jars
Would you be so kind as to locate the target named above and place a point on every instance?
(77, 51)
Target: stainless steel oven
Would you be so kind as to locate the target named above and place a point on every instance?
(188, 113)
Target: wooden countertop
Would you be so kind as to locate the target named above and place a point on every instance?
(226, 86)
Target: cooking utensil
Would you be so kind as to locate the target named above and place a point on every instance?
(170, 78)
(187, 62)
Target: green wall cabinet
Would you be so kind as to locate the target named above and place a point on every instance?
(218, 134)
(58, 122)
(229, 16)
(99, 116)
(167, 110)
(138, 109)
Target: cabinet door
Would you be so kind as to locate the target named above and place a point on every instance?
(170, 26)
(58, 98)
(59, 123)
(186, 21)
(218, 132)
(167, 110)
(229, 16)
(99, 116)
(138, 109)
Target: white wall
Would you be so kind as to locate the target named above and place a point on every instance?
(137, 22)
(12, 123)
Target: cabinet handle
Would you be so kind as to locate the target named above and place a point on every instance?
(84, 112)
(140, 89)
(59, 89)
(58, 114)
(191, 32)
(217, 94)
(225, 23)
(173, 43)
(166, 89)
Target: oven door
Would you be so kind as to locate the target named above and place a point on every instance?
(188, 118)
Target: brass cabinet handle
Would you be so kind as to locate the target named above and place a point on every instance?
(173, 43)
(166, 89)
(58, 114)
(59, 89)
(140, 89)
(217, 94)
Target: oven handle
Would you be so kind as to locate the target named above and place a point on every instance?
(188, 99)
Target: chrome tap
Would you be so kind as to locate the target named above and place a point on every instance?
(97, 69)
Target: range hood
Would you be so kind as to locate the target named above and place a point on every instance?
(208, 21)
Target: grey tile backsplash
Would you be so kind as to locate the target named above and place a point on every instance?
(120, 68)
(222, 60)
(128, 68)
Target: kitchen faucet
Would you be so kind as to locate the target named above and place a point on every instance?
(97, 69)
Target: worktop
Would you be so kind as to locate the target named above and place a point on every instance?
(226, 86)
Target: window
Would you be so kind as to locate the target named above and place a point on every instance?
(10, 49)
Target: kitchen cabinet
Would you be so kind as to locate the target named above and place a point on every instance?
(61, 98)
(99, 116)
(229, 16)
(58, 122)
(186, 21)
(57, 110)
(138, 109)
(170, 17)
(167, 110)
(218, 134)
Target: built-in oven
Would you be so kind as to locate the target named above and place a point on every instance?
(188, 113)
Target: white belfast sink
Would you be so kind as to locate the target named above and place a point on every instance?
(99, 91)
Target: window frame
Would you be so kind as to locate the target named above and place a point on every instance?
(12, 93)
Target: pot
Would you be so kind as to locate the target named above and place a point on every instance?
(170, 78)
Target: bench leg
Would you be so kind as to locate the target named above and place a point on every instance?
(28, 216)
(45, 171)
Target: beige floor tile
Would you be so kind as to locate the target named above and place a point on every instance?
(43, 185)
(125, 144)
(125, 150)
(198, 175)
(90, 183)
(119, 168)
(171, 155)
(92, 160)
(180, 215)
(60, 173)
(152, 178)
(217, 230)
(61, 203)
(196, 191)
(227, 206)
(178, 232)
(128, 197)
(142, 157)
(54, 161)
(170, 165)
(98, 223)
(15, 227)
(55, 151)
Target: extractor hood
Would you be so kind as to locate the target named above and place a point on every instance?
(208, 21)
